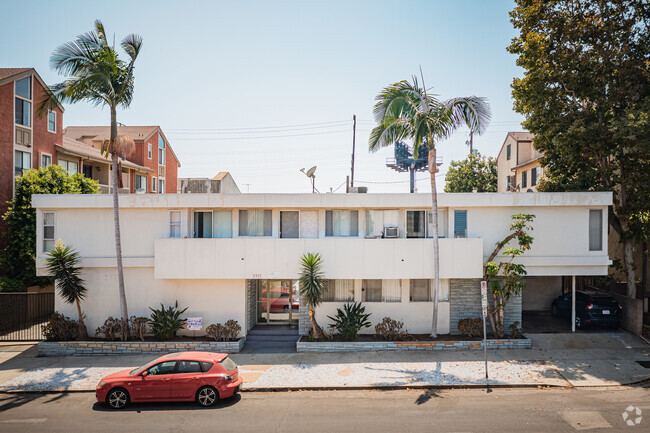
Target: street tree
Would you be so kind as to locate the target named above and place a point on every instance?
(477, 171)
(585, 95)
(405, 110)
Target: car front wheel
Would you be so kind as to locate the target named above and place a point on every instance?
(207, 396)
(118, 398)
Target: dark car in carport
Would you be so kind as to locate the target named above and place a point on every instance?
(591, 309)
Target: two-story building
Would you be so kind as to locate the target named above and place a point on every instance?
(518, 164)
(236, 256)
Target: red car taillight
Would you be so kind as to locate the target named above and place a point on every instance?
(589, 307)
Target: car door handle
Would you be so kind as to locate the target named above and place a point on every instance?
(166, 380)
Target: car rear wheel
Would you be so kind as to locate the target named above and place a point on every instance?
(118, 398)
(207, 396)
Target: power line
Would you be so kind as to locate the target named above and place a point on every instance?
(261, 137)
(259, 127)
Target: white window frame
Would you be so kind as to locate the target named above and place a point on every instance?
(53, 239)
(360, 231)
(31, 105)
(154, 184)
(48, 121)
(31, 160)
(40, 159)
(135, 179)
(331, 284)
(66, 167)
(211, 222)
(161, 186)
(601, 242)
(149, 150)
(248, 235)
(179, 223)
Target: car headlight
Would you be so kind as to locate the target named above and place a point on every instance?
(100, 384)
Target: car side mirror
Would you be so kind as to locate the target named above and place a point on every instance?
(144, 374)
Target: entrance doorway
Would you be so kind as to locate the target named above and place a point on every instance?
(277, 302)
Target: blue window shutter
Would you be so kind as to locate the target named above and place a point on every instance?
(460, 223)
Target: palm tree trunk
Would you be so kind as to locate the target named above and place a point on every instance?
(116, 219)
(316, 332)
(82, 332)
(433, 169)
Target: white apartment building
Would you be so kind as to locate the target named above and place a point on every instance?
(236, 256)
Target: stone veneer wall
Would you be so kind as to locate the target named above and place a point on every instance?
(304, 325)
(371, 346)
(465, 303)
(65, 348)
(251, 298)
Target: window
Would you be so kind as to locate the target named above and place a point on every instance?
(154, 184)
(188, 367)
(161, 150)
(149, 150)
(418, 227)
(255, 222)
(87, 171)
(23, 136)
(222, 224)
(166, 367)
(23, 111)
(206, 365)
(420, 290)
(341, 223)
(339, 291)
(381, 290)
(140, 182)
(508, 183)
(48, 231)
(22, 162)
(46, 160)
(508, 154)
(161, 184)
(24, 88)
(377, 220)
(533, 176)
(70, 166)
(595, 230)
(524, 179)
(51, 121)
(460, 223)
(203, 224)
(174, 224)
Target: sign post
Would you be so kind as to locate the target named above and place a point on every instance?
(484, 306)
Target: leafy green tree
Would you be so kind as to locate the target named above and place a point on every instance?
(312, 287)
(585, 94)
(63, 265)
(406, 111)
(18, 258)
(506, 278)
(476, 171)
(98, 75)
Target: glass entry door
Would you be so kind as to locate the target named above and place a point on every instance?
(277, 302)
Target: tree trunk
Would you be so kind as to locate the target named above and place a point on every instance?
(433, 169)
(116, 219)
(316, 331)
(628, 258)
(82, 332)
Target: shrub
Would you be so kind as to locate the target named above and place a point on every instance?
(60, 328)
(166, 322)
(138, 327)
(227, 332)
(349, 321)
(112, 328)
(515, 330)
(12, 285)
(471, 328)
(390, 329)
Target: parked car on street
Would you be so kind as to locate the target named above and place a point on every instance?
(591, 309)
(204, 377)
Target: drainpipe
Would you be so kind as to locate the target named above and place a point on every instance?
(573, 303)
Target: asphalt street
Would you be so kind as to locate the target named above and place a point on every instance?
(461, 410)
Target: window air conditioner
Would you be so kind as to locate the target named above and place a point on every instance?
(391, 232)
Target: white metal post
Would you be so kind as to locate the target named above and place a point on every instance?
(573, 303)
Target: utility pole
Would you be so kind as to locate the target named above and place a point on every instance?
(354, 135)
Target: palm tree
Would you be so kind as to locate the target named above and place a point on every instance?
(63, 264)
(405, 110)
(97, 75)
(312, 286)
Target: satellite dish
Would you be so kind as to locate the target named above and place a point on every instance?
(310, 172)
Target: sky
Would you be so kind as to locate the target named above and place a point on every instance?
(262, 89)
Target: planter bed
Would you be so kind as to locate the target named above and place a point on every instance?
(104, 347)
(368, 343)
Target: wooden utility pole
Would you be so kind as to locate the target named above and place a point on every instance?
(354, 134)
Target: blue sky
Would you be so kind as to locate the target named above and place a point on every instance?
(229, 81)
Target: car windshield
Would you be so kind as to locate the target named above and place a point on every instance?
(228, 364)
(141, 369)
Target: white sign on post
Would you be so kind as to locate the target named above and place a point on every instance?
(194, 323)
(484, 297)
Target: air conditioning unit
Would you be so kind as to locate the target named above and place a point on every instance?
(391, 232)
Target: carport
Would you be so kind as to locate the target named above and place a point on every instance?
(536, 304)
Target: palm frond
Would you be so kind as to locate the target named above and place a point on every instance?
(312, 284)
(63, 264)
(472, 111)
(132, 44)
(387, 134)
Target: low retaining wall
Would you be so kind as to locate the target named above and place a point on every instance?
(65, 348)
(370, 346)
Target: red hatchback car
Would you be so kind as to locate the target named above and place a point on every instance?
(204, 377)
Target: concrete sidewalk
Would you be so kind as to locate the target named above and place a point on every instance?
(556, 360)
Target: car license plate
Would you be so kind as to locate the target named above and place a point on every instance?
(605, 311)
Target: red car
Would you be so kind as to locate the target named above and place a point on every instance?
(185, 376)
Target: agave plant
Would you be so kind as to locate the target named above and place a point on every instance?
(350, 320)
(166, 321)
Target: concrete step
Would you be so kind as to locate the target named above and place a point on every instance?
(280, 338)
(270, 332)
(270, 344)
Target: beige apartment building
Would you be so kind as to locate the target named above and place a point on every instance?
(518, 164)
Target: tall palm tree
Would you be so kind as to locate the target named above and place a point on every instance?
(63, 264)
(96, 74)
(404, 110)
(312, 286)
